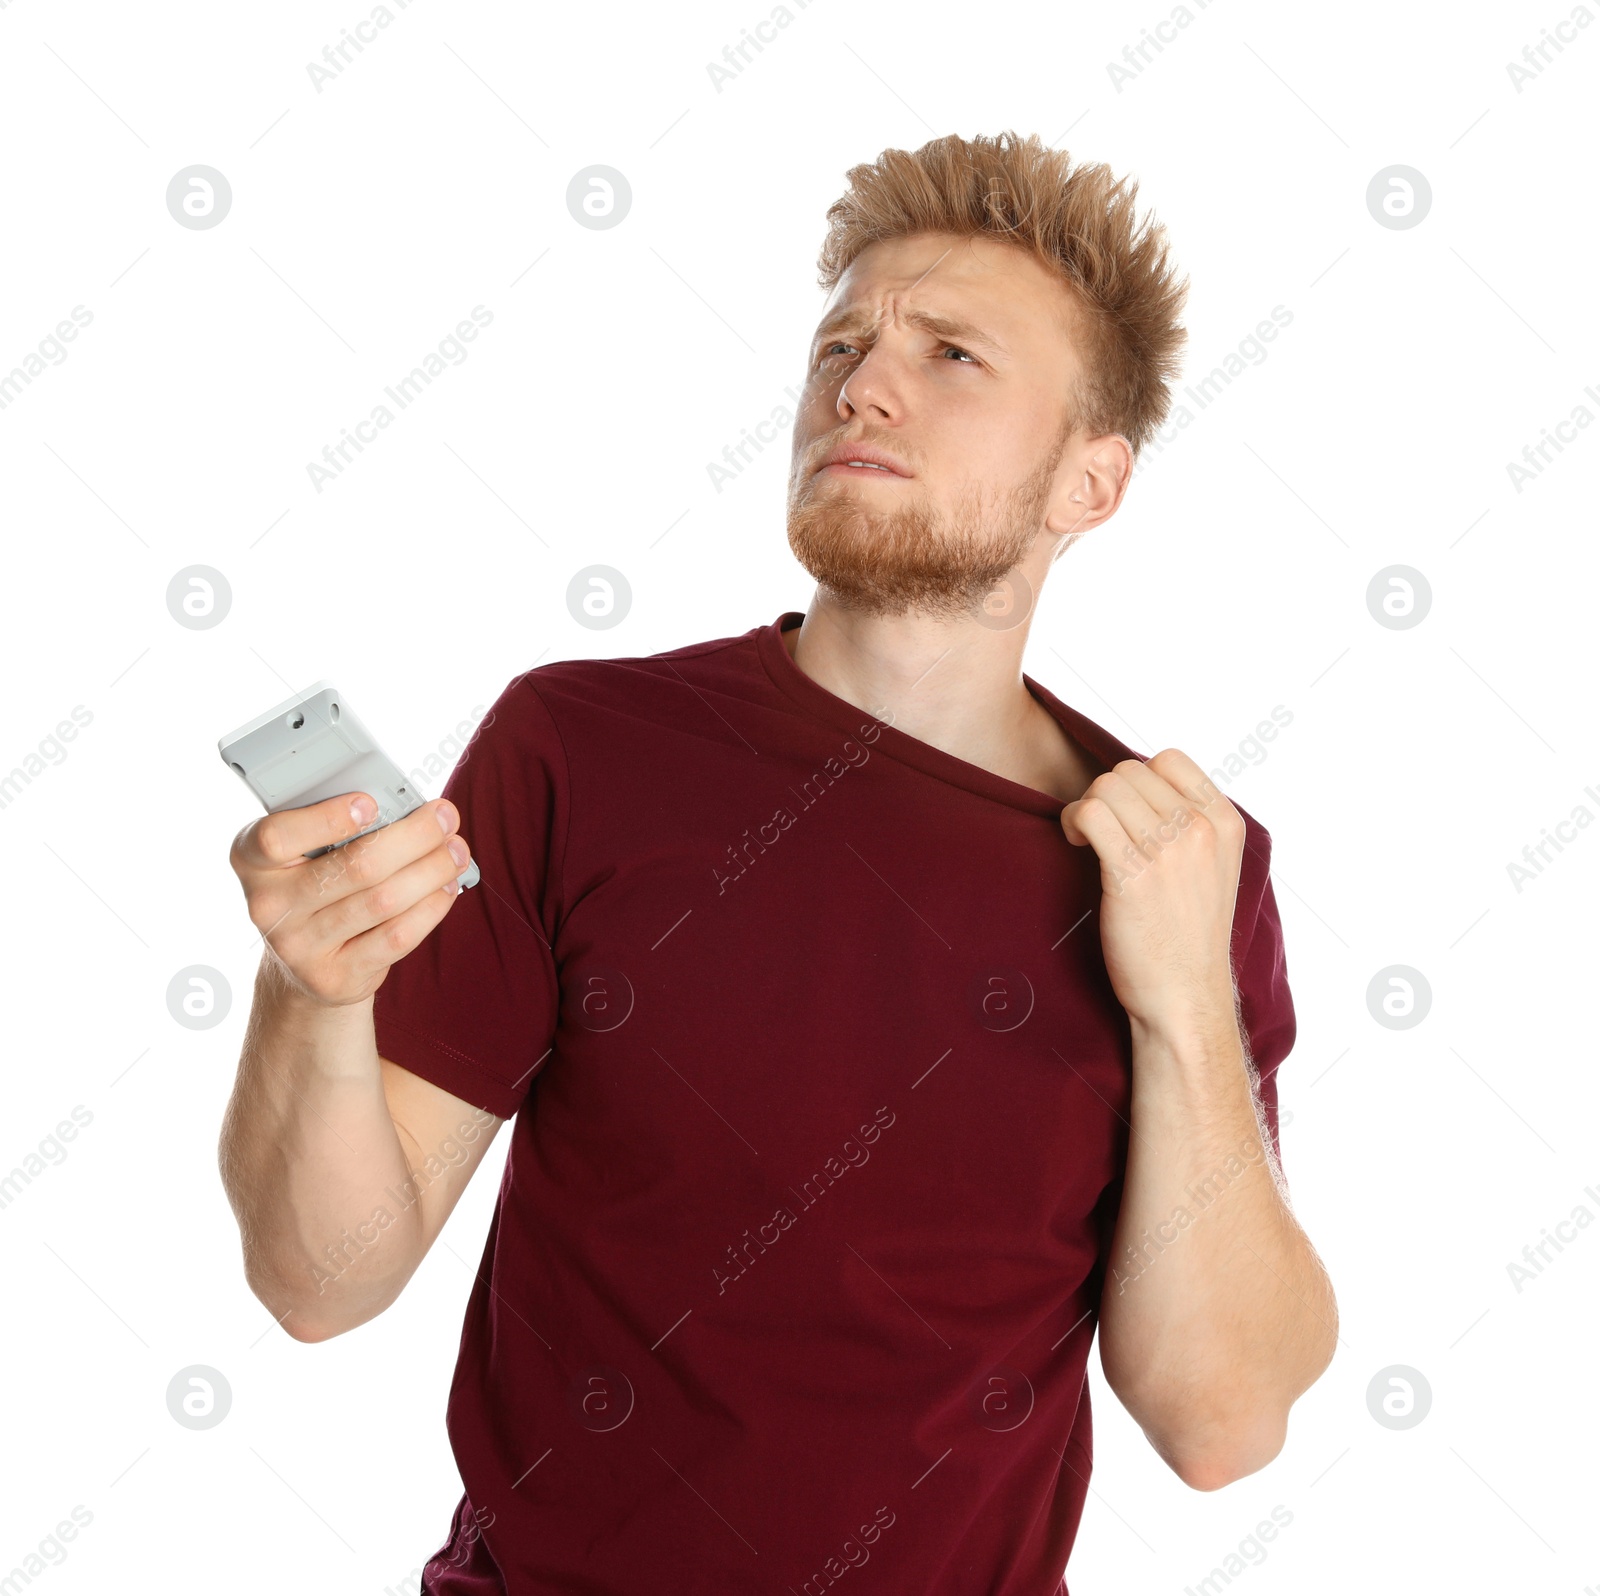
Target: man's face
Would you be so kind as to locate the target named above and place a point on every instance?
(952, 357)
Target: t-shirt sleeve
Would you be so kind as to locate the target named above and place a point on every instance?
(473, 1007)
(1266, 1009)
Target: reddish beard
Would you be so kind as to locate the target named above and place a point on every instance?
(890, 553)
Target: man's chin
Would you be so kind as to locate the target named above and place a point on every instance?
(868, 583)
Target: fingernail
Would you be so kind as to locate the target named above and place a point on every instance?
(447, 817)
(458, 851)
(362, 810)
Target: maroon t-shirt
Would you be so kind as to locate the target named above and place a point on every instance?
(820, 1092)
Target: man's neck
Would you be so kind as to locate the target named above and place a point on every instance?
(954, 684)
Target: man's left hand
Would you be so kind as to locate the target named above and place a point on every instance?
(1170, 848)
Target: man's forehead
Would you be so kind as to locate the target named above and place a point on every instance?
(978, 284)
(984, 293)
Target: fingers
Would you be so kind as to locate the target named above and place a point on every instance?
(287, 836)
(1187, 779)
(368, 860)
(337, 922)
(1159, 802)
(394, 893)
(1145, 800)
(340, 949)
(1117, 800)
(287, 900)
(395, 935)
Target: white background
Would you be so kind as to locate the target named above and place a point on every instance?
(430, 176)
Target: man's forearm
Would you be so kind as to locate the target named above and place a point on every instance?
(1217, 1313)
(307, 1150)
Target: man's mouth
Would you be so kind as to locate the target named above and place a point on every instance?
(861, 457)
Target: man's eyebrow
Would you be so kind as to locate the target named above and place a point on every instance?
(860, 322)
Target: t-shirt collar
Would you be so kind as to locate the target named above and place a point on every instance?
(816, 700)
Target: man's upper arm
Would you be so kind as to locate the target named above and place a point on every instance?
(443, 1138)
(465, 1022)
(473, 1008)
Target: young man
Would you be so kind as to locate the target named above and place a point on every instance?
(874, 1024)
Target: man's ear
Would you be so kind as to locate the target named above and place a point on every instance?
(1102, 478)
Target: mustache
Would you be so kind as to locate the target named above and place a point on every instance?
(866, 440)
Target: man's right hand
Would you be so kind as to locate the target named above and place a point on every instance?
(337, 922)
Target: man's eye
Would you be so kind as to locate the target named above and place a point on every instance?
(828, 352)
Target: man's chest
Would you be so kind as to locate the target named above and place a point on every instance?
(732, 1043)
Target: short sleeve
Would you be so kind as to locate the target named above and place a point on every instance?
(473, 1007)
(1266, 1009)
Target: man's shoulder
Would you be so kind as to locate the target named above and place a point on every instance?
(630, 683)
